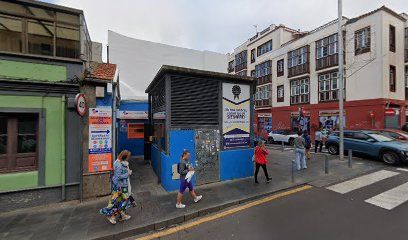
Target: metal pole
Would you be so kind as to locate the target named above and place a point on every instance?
(326, 164)
(341, 79)
(350, 158)
(283, 146)
(293, 171)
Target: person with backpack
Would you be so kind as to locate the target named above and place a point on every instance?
(308, 144)
(185, 169)
(120, 199)
(299, 144)
(260, 161)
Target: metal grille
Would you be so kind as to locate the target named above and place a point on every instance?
(194, 102)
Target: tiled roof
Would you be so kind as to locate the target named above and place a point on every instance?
(103, 71)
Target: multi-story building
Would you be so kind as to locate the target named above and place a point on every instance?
(44, 49)
(296, 73)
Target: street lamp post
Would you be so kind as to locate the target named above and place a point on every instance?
(341, 79)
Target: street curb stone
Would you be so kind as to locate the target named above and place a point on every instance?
(160, 225)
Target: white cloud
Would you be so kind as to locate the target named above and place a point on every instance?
(216, 25)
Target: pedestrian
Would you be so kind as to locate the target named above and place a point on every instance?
(260, 161)
(299, 144)
(308, 144)
(120, 199)
(318, 140)
(185, 168)
(325, 134)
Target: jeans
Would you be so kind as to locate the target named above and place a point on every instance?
(318, 144)
(257, 165)
(300, 158)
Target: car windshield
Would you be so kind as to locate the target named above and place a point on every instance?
(380, 138)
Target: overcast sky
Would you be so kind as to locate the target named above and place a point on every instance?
(215, 25)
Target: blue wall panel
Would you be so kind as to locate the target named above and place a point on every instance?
(106, 101)
(236, 164)
(179, 140)
(135, 146)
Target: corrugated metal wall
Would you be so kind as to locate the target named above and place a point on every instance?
(194, 102)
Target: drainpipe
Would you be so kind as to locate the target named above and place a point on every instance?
(63, 162)
(113, 121)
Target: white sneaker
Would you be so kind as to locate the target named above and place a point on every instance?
(180, 205)
(198, 198)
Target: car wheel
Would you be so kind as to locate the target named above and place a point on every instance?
(291, 141)
(333, 149)
(270, 140)
(390, 157)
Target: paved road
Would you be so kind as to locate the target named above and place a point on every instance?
(354, 209)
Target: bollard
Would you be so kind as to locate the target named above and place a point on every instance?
(283, 146)
(350, 158)
(293, 171)
(326, 164)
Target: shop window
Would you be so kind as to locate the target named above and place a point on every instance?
(40, 38)
(67, 41)
(10, 34)
(18, 142)
(135, 131)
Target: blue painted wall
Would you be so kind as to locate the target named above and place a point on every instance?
(106, 101)
(236, 164)
(135, 146)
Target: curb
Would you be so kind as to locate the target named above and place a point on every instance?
(162, 224)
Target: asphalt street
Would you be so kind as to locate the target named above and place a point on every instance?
(354, 209)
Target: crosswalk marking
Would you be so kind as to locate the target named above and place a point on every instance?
(362, 181)
(403, 169)
(391, 198)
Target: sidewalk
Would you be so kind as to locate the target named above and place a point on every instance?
(156, 211)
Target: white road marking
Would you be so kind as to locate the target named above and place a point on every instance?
(362, 181)
(403, 169)
(391, 198)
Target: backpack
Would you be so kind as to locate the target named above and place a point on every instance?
(178, 167)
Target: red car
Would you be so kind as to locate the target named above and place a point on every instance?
(394, 133)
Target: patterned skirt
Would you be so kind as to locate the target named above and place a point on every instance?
(119, 201)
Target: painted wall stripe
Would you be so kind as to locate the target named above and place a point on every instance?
(223, 214)
(391, 198)
(362, 181)
(402, 169)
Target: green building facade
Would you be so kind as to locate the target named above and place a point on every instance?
(44, 50)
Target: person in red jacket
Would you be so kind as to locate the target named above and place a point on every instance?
(260, 160)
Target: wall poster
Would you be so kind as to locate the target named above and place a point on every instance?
(236, 115)
(100, 140)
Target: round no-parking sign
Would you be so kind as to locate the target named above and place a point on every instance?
(80, 102)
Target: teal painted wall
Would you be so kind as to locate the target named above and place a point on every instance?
(33, 71)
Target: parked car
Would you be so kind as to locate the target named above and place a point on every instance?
(394, 133)
(370, 143)
(286, 136)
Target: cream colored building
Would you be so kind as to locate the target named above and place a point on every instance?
(298, 70)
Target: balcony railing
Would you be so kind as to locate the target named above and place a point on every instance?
(299, 70)
(241, 67)
(326, 62)
(264, 79)
(263, 103)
